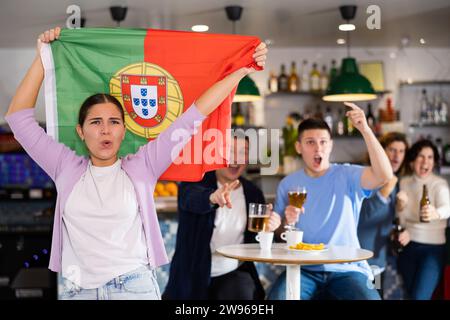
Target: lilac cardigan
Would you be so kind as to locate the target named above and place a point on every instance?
(66, 168)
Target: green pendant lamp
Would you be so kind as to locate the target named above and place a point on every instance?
(349, 85)
(247, 91)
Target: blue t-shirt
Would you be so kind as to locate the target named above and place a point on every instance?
(332, 208)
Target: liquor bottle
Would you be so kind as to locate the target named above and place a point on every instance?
(390, 111)
(314, 78)
(293, 81)
(239, 119)
(329, 118)
(318, 114)
(340, 128)
(370, 117)
(443, 112)
(273, 82)
(333, 70)
(425, 200)
(283, 80)
(436, 108)
(304, 82)
(348, 126)
(324, 79)
(307, 114)
(394, 236)
(423, 107)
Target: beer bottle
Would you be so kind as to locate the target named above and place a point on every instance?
(293, 81)
(425, 200)
(273, 83)
(394, 235)
(283, 80)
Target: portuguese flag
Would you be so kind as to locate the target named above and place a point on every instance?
(155, 74)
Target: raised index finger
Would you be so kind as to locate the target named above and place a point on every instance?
(352, 106)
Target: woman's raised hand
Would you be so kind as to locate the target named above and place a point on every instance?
(47, 37)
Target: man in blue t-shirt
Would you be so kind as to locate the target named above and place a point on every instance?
(330, 214)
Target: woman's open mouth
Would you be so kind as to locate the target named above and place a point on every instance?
(106, 144)
(424, 170)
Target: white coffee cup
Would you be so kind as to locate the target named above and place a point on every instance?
(265, 240)
(292, 237)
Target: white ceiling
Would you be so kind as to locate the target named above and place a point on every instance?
(287, 22)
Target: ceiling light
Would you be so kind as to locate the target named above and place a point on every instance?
(349, 84)
(200, 28)
(347, 27)
(247, 91)
(422, 41)
(340, 41)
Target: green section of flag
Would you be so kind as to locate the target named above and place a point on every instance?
(85, 60)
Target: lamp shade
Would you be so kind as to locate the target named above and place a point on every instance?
(247, 91)
(350, 85)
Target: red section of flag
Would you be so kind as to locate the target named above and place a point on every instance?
(197, 61)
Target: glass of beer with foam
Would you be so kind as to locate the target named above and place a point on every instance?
(297, 198)
(258, 217)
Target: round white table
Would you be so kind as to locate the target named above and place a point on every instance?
(279, 254)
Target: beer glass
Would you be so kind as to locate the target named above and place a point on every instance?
(258, 217)
(297, 198)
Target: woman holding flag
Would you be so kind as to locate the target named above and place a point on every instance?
(106, 238)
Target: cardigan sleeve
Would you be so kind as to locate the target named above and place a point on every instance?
(162, 151)
(50, 155)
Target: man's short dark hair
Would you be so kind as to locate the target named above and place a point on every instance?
(311, 124)
(392, 137)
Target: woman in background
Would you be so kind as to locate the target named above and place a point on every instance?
(422, 260)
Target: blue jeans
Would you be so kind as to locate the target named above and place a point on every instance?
(350, 285)
(139, 284)
(421, 266)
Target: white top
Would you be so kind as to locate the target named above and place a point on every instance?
(438, 192)
(230, 225)
(103, 235)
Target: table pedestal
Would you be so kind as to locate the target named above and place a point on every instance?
(293, 284)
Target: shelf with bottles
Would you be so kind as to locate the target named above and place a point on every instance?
(431, 113)
(425, 83)
(309, 81)
(306, 83)
(280, 94)
(430, 125)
